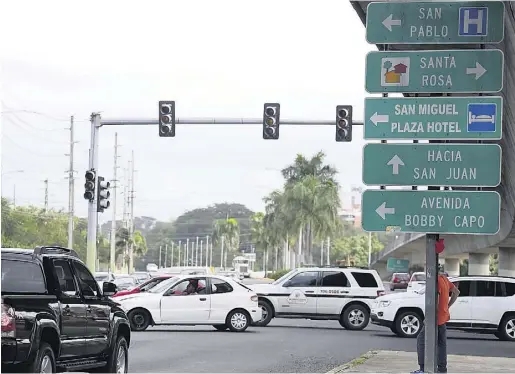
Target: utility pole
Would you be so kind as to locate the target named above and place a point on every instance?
(222, 254)
(328, 250)
(159, 266)
(46, 194)
(71, 189)
(369, 249)
(92, 205)
(179, 258)
(166, 253)
(211, 255)
(196, 253)
(171, 259)
(201, 242)
(207, 249)
(187, 252)
(112, 254)
(322, 253)
(131, 196)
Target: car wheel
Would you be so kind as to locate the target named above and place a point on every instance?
(220, 327)
(392, 288)
(44, 361)
(139, 319)
(355, 317)
(118, 361)
(238, 320)
(394, 329)
(408, 324)
(507, 328)
(267, 313)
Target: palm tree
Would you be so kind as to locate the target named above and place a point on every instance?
(303, 167)
(259, 234)
(228, 232)
(124, 240)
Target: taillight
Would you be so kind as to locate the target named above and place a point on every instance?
(8, 322)
(254, 298)
(381, 293)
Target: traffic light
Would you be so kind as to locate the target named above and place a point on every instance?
(89, 186)
(103, 194)
(271, 115)
(167, 119)
(344, 123)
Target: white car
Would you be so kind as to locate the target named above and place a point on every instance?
(417, 282)
(194, 300)
(344, 294)
(486, 304)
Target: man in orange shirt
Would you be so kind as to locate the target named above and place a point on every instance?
(445, 289)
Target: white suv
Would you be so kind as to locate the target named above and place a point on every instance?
(342, 294)
(486, 304)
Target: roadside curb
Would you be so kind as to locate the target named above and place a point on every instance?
(351, 364)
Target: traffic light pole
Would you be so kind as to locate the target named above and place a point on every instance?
(91, 254)
(219, 121)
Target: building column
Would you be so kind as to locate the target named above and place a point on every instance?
(452, 266)
(507, 262)
(479, 264)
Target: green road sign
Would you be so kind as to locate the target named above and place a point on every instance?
(435, 23)
(449, 71)
(397, 265)
(464, 165)
(458, 118)
(438, 212)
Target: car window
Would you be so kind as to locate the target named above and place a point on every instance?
(221, 286)
(366, 280)
(87, 283)
(304, 279)
(485, 289)
(151, 284)
(163, 286)
(65, 277)
(510, 288)
(418, 278)
(22, 277)
(188, 287)
(334, 279)
(463, 287)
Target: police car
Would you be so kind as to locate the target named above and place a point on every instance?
(344, 294)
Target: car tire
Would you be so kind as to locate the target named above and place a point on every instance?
(118, 360)
(238, 320)
(44, 361)
(394, 329)
(139, 319)
(220, 327)
(355, 317)
(268, 313)
(392, 288)
(408, 324)
(507, 328)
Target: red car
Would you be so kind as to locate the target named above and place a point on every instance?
(145, 286)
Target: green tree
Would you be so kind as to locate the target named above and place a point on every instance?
(302, 167)
(124, 240)
(228, 231)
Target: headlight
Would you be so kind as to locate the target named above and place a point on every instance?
(384, 304)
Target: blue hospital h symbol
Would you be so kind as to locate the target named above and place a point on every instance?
(473, 21)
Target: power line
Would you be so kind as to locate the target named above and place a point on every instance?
(4, 135)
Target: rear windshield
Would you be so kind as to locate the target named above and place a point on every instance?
(419, 277)
(402, 276)
(22, 277)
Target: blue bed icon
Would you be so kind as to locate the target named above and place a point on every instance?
(481, 117)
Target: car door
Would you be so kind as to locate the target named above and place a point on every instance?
(223, 300)
(98, 311)
(298, 294)
(73, 312)
(180, 306)
(334, 288)
(487, 304)
(460, 311)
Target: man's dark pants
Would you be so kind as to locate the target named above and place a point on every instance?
(441, 348)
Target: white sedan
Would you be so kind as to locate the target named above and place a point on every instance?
(194, 300)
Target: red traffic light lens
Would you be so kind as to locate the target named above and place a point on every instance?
(343, 113)
(270, 111)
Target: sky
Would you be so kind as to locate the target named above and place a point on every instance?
(216, 59)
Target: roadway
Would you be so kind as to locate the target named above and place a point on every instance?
(285, 346)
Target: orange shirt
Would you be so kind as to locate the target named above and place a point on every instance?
(444, 288)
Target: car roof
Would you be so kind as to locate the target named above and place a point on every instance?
(498, 278)
(336, 268)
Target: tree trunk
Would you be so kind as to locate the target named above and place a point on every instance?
(299, 246)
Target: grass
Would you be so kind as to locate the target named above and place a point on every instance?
(352, 364)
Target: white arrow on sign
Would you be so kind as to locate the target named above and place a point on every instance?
(389, 22)
(382, 210)
(376, 118)
(395, 162)
(478, 70)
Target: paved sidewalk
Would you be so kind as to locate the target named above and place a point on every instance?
(405, 362)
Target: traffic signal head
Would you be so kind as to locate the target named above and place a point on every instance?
(167, 118)
(271, 116)
(89, 186)
(103, 194)
(344, 123)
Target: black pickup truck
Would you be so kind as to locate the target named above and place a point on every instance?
(55, 317)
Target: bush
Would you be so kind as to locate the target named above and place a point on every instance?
(277, 274)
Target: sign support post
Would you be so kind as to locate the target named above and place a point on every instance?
(431, 302)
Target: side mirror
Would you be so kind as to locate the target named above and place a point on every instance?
(213, 288)
(109, 288)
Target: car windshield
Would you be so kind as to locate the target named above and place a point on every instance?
(419, 277)
(285, 276)
(163, 286)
